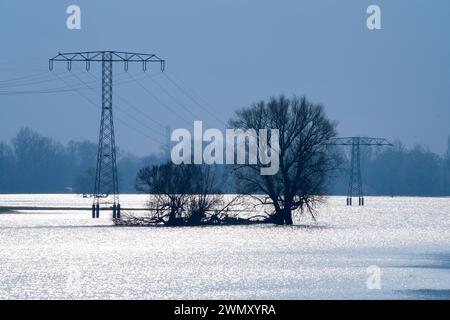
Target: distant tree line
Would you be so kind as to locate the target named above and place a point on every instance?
(32, 163)
(399, 171)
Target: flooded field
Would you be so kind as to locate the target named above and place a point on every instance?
(391, 248)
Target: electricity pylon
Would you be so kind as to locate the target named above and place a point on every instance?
(106, 188)
(355, 186)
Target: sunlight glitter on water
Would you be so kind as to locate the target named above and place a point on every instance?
(69, 255)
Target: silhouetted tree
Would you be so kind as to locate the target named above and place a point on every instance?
(180, 194)
(170, 186)
(304, 163)
(205, 193)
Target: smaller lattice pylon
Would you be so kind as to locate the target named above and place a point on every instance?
(355, 185)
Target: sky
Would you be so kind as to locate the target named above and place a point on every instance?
(224, 55)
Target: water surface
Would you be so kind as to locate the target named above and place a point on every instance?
(54, 255)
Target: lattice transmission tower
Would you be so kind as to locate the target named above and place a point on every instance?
(106, 187)
(355, 185)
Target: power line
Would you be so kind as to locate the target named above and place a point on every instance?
(35, 75)
(27, 92)
(71, 88)
(170, 95)
(49, 91)
(159, 100)
(193, 99)
(119, 120)
(23, 69)
(29, 82)
(134, 107)
(122, 109)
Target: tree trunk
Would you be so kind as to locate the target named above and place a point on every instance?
(172, 217)
(283, 216)
(288, 216)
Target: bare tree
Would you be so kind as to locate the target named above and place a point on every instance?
(180, 194)
(169, 186)
(206, 196)
(304, 163)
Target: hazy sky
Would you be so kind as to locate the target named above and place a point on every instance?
(392, 83)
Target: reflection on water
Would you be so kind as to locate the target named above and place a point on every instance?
(69, 255)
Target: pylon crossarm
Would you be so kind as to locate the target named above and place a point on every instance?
(362, 141)
(114, 56)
